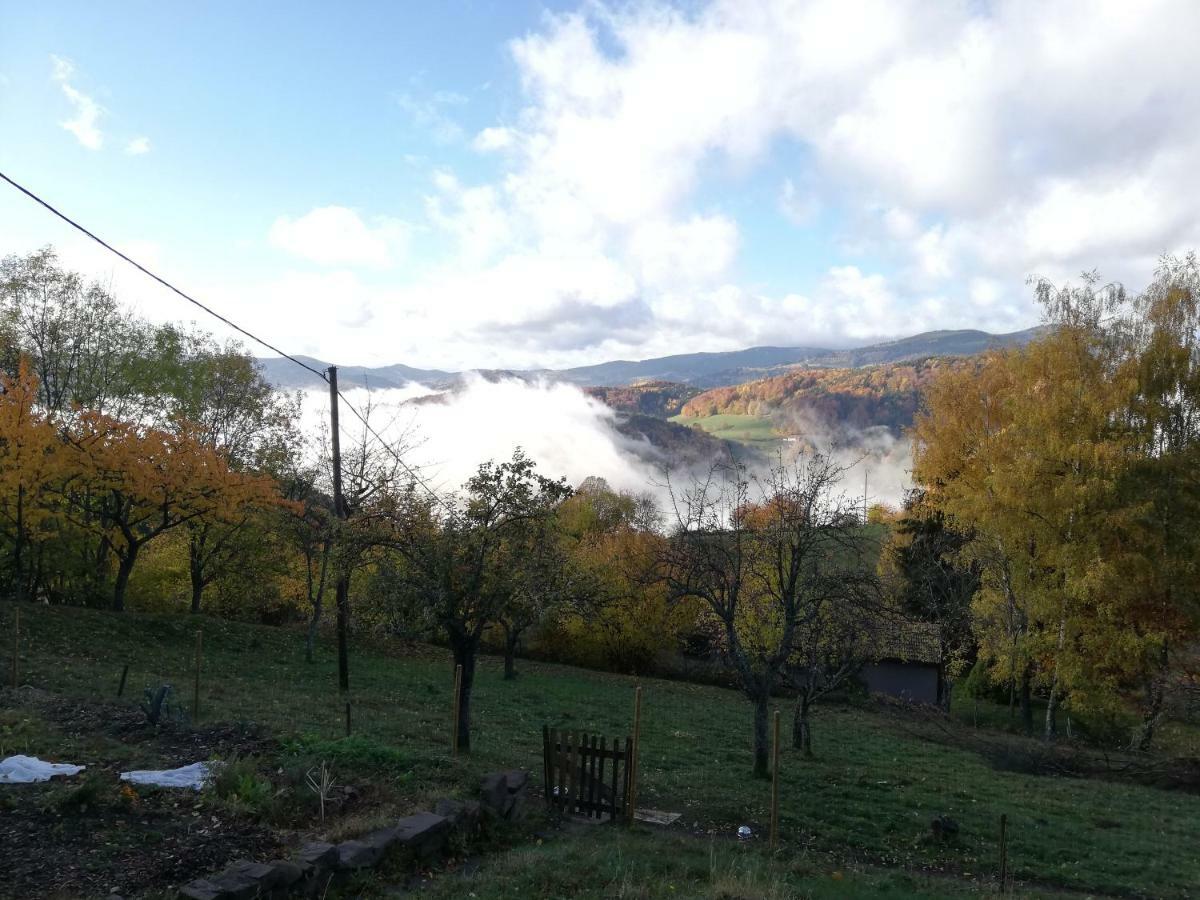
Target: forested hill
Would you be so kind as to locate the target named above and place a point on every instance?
(873, 396)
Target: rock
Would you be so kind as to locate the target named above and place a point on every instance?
(200, 889)
(357, 855)
(382, 839)
(493, 793)
(318, 854)
(236, 886)
(461, 813)
(517, 779)
(454, 811)
(261, 874)
(287, 872)
(424, 832)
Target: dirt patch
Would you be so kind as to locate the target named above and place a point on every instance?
(156, 843)
(90, 835)
(172, 742)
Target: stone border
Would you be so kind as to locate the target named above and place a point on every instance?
(502, 796)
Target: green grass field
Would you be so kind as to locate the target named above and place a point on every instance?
(854, 821)
(754, 430)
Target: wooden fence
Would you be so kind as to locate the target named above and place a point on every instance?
(585, 776)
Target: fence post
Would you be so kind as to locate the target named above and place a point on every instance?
(631, 800)
(457, 701)
(347, 718)
(774, 834)
(1003, 853)
(121, 685)
(196, 686)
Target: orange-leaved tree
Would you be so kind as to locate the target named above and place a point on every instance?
(132, 483)
(31, 463)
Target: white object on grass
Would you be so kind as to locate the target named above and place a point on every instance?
(193, 776)
(30, 770)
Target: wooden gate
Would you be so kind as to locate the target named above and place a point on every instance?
(585, 776)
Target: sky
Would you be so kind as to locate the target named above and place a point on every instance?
(525, 184)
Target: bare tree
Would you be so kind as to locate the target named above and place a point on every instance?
(454, 555)
(762, 552)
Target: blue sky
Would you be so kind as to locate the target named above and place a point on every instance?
(522, 184)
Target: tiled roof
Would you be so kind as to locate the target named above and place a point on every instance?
(909, 641)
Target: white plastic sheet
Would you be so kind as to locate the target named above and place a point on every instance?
(30, 770)
(193, 776)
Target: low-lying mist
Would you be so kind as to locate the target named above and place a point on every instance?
(447, 434)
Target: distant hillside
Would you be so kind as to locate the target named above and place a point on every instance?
(661, 399)
(699, 370)
(285, 374)
(848, 399)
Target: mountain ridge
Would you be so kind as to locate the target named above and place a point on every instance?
(701, 370)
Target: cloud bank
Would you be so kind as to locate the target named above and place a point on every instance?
(567, 433)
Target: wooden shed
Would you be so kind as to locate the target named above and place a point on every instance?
(907, 663)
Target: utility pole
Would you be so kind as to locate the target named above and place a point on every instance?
(339, 508)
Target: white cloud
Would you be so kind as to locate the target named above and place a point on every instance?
(950, 149)
(960, 144)
(138, 146)
(337, 236)
(430, 114)
(799, 205)
(84, 124)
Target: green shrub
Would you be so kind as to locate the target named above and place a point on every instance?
(240, 787)
(91, 793)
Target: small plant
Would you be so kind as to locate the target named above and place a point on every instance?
(321, 781)
(92, 792)
(158, 706)
(239, 786)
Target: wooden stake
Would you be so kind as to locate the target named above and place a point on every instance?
(347, 718)
(775, 786)
(16, 671)
(342, 584)
(196, 686)
(457, 701)
(1003, 853)
(631, 800)
(124, 675)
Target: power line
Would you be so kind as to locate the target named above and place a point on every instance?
(216, 315)
(411, 474)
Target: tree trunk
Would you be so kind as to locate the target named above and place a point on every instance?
(124, 570)
(1051, 730)
(510, 653)
(18, 566)
(316, 595)
(310, 639)
(196, 568)
(465, 652)
(343, 630)
(761, 745)
(1027, 700)
(1156, 692)
(802, 727)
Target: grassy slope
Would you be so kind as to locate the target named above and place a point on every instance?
(868, 797)
(754, 430)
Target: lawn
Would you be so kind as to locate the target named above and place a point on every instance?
(862, 808)
(757, 431)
